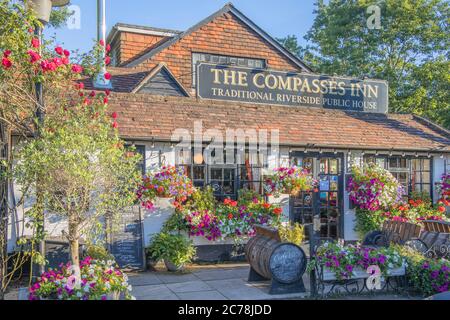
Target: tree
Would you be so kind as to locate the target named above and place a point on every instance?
(81, 167)
(410, 50)
(25, 61)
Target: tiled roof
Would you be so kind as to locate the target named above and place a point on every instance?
(147, 116)
(123, 79)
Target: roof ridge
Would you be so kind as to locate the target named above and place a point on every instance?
(229, 7)
(137, 26)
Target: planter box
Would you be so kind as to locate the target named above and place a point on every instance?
(218, 250)
(358, 273)
(154, 219)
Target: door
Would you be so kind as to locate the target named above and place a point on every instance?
(324, 207)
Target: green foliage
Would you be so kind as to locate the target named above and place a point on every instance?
(202, 200)
(410, 50)
(423, 196)
(367, 221)
(176, 222)
(80, 167)
(175, 248)
(426, 276)
(97, 252)
(59, 16)
(248, 196)
(294, 234)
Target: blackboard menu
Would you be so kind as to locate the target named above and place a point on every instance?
(126, 242)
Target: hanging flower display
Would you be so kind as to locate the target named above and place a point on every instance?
(443, 187)
(290, 180)
(373, 188)
(170, 182)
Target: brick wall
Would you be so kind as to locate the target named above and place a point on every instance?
(225, 35)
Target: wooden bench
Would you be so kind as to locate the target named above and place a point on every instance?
(397, 232)
(437, 226)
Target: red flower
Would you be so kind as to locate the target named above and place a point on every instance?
(115, 125)
(6, 63)
(107, 60)
(160, 188)
(102, 42)
(79, 86)
(108, 76)
(277, 211)
(57, 61)
(59, 51)
(105, 100)
(442, 209)
(35, 43)
(77, 68)
(34, 56)
(7, 53)
(30, 30)
(66, 53)
(87, 101)
(230, 216)
(108, 48)
(267, 205)
(108, 92)
(92, 94)
(114, 115)
(65, 60)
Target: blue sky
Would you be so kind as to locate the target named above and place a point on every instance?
(277, 17)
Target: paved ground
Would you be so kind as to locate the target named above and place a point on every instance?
(212, 282)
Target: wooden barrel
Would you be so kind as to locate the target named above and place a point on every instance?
(270, 258)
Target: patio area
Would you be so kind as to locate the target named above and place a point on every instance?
(209, 282)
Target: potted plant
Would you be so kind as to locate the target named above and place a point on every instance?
(175, 249)
(100, 280)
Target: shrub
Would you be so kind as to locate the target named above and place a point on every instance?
(175, 248)
(425, 275)
(294, 234)
(97, 252)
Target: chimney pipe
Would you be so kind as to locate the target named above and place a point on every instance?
(100, 82)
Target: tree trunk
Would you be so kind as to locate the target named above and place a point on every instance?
(74, 237)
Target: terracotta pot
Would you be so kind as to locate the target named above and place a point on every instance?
(172, 267)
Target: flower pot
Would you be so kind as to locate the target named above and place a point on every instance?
(172, 267)
(359, 273)
(151, 263)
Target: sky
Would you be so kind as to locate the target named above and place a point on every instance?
(277, 17)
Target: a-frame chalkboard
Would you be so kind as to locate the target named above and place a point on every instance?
(126, 242)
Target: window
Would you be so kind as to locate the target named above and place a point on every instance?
(219, 59)
(421, 175)
(226, 179)
(141, 165)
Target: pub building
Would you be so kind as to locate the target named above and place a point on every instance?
(226, 73)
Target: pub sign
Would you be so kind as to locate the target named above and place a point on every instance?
(241, 84)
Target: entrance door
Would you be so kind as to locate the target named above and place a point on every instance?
(322, 208)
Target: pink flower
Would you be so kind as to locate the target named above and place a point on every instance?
(35, 43)
(59, 51)
(105, 100)
(77, 68)
(58, 61)
(107, 76)
(108, 48)
(65, 60)
(6, 63)
(79, 86)
(66, 53)
(7, 53)
(34, 56)
(71, 281)
(114, 115)
(102, 42)
(107, 60)
(115, 125)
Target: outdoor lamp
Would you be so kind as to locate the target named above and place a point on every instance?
(43, 8)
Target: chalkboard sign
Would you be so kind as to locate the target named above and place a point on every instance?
(126, 242)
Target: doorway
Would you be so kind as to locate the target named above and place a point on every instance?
(324, 207)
